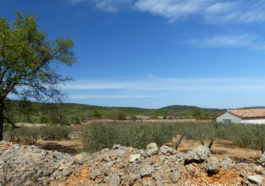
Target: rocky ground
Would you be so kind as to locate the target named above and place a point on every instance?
(29, 165)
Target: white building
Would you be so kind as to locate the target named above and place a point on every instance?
(248, 116)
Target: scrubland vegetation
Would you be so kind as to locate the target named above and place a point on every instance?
(98, 136)
(67, 113)
(136, 134)
(30, 135)
(101, 135)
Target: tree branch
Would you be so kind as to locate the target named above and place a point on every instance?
(9, 121)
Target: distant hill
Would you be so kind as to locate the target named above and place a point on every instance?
(178, 107)
(186, 107)
(256, 107)
(69, 113)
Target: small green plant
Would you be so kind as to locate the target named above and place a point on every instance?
(54, 132)
(27, 135)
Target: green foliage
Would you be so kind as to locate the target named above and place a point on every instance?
(26, 57)
(99, 136)
(197, 113)
(67, 113)
(54, 132)
(29, 135)
(28, 60)
(96, 114)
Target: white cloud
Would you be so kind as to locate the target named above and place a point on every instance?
(77, 1)
(111, 5)
(158, 84)
(243, 40)
(121, 96)
(221, 7)
(106, 5)
(209, 11)
(172, 9)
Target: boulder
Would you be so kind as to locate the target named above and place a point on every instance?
(197, 155)
(115, 180)
(165, 149)
(134, 157)
(146, 171)
(151, 149)
(257, 179)
(174, 177)
(262, 160)
(212, 165)
(151, 146)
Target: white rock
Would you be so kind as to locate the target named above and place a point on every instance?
(199, 154)
(262, 160)
(152, 152)
(165, 149)
(256, 179)
(151, 146)
(151, 149)
(134, 157)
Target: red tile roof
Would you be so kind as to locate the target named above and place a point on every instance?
(248, 113)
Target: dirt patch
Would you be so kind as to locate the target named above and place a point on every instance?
(71, 145)
(228, 177)
(221, 149)
(82, 178)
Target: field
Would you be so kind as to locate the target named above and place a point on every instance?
(98, 134)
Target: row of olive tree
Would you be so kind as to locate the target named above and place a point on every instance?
(98, 136)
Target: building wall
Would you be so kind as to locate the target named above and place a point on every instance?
(228, 116)
(254, 121)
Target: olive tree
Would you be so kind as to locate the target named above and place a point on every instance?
(28, 62)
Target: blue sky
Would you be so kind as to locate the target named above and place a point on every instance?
(154, 53)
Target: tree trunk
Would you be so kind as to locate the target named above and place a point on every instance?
(1, 121)
(176, 144)
(211, 144)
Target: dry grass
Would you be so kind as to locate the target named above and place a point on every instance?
(222, 149)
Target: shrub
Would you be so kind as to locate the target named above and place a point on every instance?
(54, 132)
(96, 114)
(99, 136)
(28, 135)
(259, 138)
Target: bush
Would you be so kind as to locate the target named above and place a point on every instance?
(99, 136)
(96, 114)
(54, 132)
(28, 135)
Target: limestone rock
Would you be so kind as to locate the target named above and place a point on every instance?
(212, 165)
(262, 160)
(165, 149)
(134, 157)
(197, 155)
(257, 179)
(151, 149)
(115, 180)
(146, 171)
(151, 146)
(175, 176)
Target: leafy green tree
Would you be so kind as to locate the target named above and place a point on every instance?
(197, 113)
(28, 62)
(96, 114)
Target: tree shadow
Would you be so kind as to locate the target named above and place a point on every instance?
(60, 148)
(245, 160)
(219, 152)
